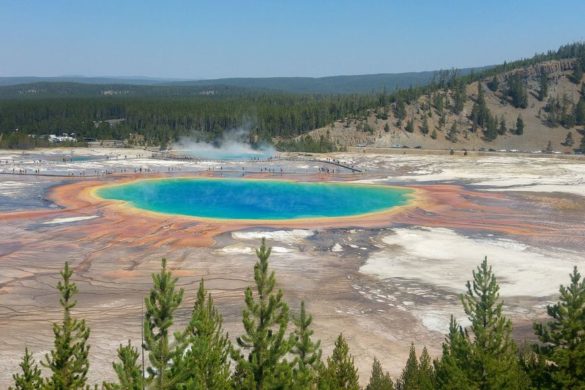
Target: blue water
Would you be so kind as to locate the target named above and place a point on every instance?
(255, 199)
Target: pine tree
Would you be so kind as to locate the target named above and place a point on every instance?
(494, 361)
(207, 356)
(537, 368)
(307, 363)
(542, 86)
(409, 380)
(265, 322)
(563, 337)
(379, 380)
(459, 97)
(569, 139)
(425, 127)
(128, 370)
(400, 109)
(451, 368)
(442, 121)
(502, 129)
(493, 84)
(439, 102)
(478, 109)
(577, 71)
(485, 356)
(410, 126)
(491, 129)
(30, 376)
(340, 372)
(453, 132)
(580, 112)
(519, 126)
(434, 134)
(426, 372)
(517, 91)
(160, 305)
(68, 361)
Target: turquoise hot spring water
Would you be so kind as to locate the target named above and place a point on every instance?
(253, 199)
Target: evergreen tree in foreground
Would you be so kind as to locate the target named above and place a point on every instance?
(417, 374)
(494, 354)
(265, 321)
(426, 371)
(68, 361)
(206, 360)
(563, 337)
(128, 370)
(379, 380)
(409, 377)
(30, 377)
(161, 304)
(451, 368)
(340, 372)
(308, 352)
(488, 359)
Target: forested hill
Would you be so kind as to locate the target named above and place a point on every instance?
(533, 105)
(48, 87)
(157, 121)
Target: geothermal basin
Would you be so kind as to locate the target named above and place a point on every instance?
(381, 255)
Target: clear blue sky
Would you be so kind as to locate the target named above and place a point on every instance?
(193, 39)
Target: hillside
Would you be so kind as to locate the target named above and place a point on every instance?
(548, 118)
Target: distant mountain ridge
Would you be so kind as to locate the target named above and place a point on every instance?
(19, 87)
(330, 84)
(99, 80)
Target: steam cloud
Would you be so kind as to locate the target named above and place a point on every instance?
(233, 145)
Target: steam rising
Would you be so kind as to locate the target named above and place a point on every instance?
(233, 145)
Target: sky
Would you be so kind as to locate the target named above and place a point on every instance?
(215, 39)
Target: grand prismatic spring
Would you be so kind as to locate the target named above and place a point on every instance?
(255, 199)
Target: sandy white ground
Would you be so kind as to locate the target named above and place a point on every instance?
(444, 258)
(68, 220)
(505, 173)
(284, 236)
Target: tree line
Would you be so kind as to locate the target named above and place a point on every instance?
(278, 349)
(164, 120)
